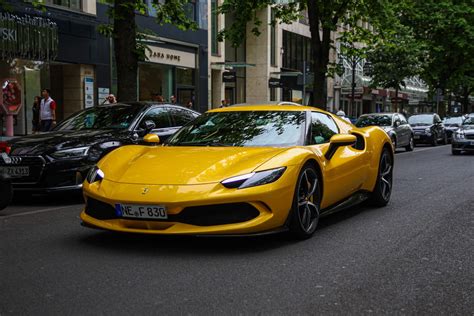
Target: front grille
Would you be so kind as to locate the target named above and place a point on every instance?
(35, 164)
(470, 136)
(207, 215)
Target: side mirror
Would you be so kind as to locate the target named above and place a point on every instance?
(148, 125)
(339, 140)
(151, 138)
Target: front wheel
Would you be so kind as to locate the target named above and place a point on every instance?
(383, 186)
(411, 144)
(445, 139)
(306, 203)
(434, 142)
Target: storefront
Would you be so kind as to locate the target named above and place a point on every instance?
(55, 49)
(167, 72)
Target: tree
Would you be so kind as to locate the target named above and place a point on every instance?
(124, 32)
(324, 17)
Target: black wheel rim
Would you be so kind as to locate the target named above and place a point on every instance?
(386, 175)
(308, 200)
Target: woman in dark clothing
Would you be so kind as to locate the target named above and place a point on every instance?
(36, 113)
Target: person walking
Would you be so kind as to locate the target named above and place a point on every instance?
(173, 100)
(47, 111)
(36, 114)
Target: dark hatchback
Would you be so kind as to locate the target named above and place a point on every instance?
(428, 128)
(463, 138)
(59, 160)
(452, 124)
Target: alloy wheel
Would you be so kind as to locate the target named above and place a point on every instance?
(386, 175)
(308, 207)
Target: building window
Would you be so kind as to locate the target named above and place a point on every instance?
(273, 94)
(214, 28)
(190, 10)
(71, 4)
(273, 39)
(297, 50)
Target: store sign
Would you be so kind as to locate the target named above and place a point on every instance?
(27, 37)
(229, 76)
(88, 92)
(171, 57)
(275, 83)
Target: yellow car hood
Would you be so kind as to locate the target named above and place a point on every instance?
(182, 165)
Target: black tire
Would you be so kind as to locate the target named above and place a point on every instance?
(383, 186)
(445, 139)
(394, 142)
(6, 193)
(455, 152)
(411, 144)
(434, 142)
(306, 203)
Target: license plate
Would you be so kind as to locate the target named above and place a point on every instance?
(141, 211)
(417, 136)
(15, 172)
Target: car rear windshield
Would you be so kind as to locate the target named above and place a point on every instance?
(243, 128)
(423, 119)
(101, 117)
(453, 120)
(377, 120)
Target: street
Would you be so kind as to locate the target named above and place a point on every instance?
(412, 257)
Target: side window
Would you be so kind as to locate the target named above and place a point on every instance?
(323, 128)
(181, 116)
(403, 119)
(159, 116)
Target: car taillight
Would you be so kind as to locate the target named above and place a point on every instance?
(4, 147)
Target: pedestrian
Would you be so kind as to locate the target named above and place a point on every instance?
(47, 111)
(342, 115)
(222, 103)
(110, 99)
(189, 105)
(173, 99)
(36, 114)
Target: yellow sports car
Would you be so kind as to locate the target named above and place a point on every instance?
(241, 170)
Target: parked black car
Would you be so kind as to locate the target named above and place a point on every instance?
(463, 138)
(396, 126)
(59, 160)
(6, 192)
(452, 124)
(428, 129)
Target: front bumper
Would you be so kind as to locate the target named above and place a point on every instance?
(462, 144)
(272, 203)
(422, 137)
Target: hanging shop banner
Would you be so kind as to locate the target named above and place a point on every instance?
(88, 92)
(229, 76)
(11, 96)
(27, 37)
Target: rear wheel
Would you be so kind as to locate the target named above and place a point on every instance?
(411, 144)
(306, 203)
(383, 187)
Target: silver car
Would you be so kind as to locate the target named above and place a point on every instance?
(463, 138)
(394, 124)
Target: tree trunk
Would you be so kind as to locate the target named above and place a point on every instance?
(320, 55)
(126, 57)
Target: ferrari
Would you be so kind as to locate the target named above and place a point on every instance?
(241, 170)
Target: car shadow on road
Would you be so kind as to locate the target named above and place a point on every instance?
(206, 245)
(53, 199)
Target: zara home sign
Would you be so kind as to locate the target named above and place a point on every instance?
(171, 57)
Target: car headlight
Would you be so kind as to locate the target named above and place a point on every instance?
(71, 153)
(428, 130)
(459, 135)
(254, 178)
(95, 174)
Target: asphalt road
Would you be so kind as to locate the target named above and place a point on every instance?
(414, 256)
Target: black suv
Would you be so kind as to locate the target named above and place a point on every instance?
(59, 160)
(428, 128)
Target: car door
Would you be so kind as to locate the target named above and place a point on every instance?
(161, 117)
(407, 131)
(346, 171)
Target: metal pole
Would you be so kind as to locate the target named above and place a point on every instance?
(304, 82)
(354, 64)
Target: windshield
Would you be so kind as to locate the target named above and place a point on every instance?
(244, 128)
(469, 121)
(377, 120)
(453, 120)
(424, 119)
(101, 117)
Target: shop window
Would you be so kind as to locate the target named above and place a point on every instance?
(185, 76)
(154, 81)
(71, 4)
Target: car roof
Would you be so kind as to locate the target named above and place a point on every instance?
(281, 106)
(147, 104)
